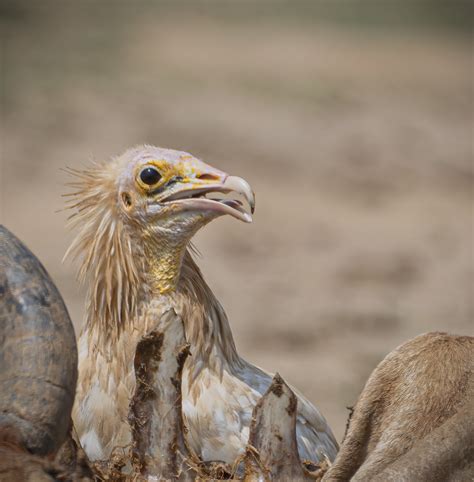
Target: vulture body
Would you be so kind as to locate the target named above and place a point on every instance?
(136, 216)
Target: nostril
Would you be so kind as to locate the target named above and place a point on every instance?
(174, 180)
(208, 177)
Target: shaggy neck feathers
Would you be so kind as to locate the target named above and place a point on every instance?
(111, 264)
(206, 325)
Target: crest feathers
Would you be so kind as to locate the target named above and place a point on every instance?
(109, 261)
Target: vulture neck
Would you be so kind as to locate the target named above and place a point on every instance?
(164, 261)
(166, 277)
(174, 275)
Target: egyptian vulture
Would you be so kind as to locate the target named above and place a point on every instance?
(136, 215)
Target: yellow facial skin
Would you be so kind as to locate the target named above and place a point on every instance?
(184, 168)
(165, 169)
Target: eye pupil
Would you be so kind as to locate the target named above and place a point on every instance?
(150, 176)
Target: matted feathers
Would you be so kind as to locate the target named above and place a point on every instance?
(110, 264)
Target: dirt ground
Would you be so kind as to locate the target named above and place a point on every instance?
(357, 141)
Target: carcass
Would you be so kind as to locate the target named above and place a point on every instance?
(38, 366)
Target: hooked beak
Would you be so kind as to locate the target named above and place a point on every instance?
(194, 196)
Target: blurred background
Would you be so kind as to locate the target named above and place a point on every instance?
(352, 120)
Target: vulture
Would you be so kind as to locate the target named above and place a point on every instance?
(136, 215)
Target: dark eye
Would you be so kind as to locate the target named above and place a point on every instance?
(150, 176)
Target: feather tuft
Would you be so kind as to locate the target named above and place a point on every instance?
(109, 263)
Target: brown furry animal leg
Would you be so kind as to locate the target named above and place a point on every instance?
(444, 455)
(414, 390)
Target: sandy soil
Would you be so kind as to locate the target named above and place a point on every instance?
(357, 143)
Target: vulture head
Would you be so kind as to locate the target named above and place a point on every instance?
(171, 194)
(136, 215)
